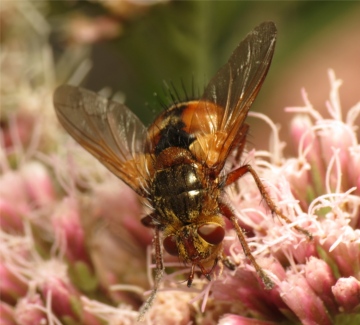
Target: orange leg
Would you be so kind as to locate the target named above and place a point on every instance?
(226, 211)
(237, 173)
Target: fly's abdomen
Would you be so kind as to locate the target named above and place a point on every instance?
(177, 193)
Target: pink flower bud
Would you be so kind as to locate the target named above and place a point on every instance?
(303, 250)
(6, 314)
(303, 301)
(67, 227)
(297, 173)
(335, 135)
(60, 295)
(11, 287)
(347, 293)
(22, 125)
(245, 286)
(38, 184)
(10, 218)
(14, 200)
(29, 311)
(240, 320)
(23, 190)
(345, 252)
(300, 129)
(64, 297)
(320, 278)
(353, 169)
(119, 206)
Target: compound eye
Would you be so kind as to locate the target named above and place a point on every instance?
(170, 245)
(212, 233)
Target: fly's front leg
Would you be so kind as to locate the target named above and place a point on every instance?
(204, 272)
(226, 211)
(150, 222)
(158, 258)
(159, 271)
(237, 173)
(228, 262)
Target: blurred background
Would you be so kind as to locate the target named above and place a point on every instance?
(135, 47)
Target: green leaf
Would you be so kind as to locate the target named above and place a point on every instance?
(83, 277)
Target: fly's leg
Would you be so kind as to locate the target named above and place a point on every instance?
(226, 211)
(228, 262)
(191, 275)
(159, 272)
(237, 173)
(204, 272)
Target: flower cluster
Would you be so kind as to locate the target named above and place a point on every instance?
(317, 281)
(73, 249)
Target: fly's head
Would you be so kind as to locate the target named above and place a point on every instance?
(198, 244)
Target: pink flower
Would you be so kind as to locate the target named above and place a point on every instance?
(23, 193)
(30, 310)
(240, 320)
(70, 232)
(303, 301)
(244, 286)
(11, 287)
(6, 314)
(64, 297)
(327, 207)
(347, 294)
(321, 279)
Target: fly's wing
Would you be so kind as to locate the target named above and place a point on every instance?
(107, 129)
(218, 120)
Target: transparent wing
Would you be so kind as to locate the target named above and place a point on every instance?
(107, 129)
(227, 98)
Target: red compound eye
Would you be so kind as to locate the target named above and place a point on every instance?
(170, 245)
(212, 233)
